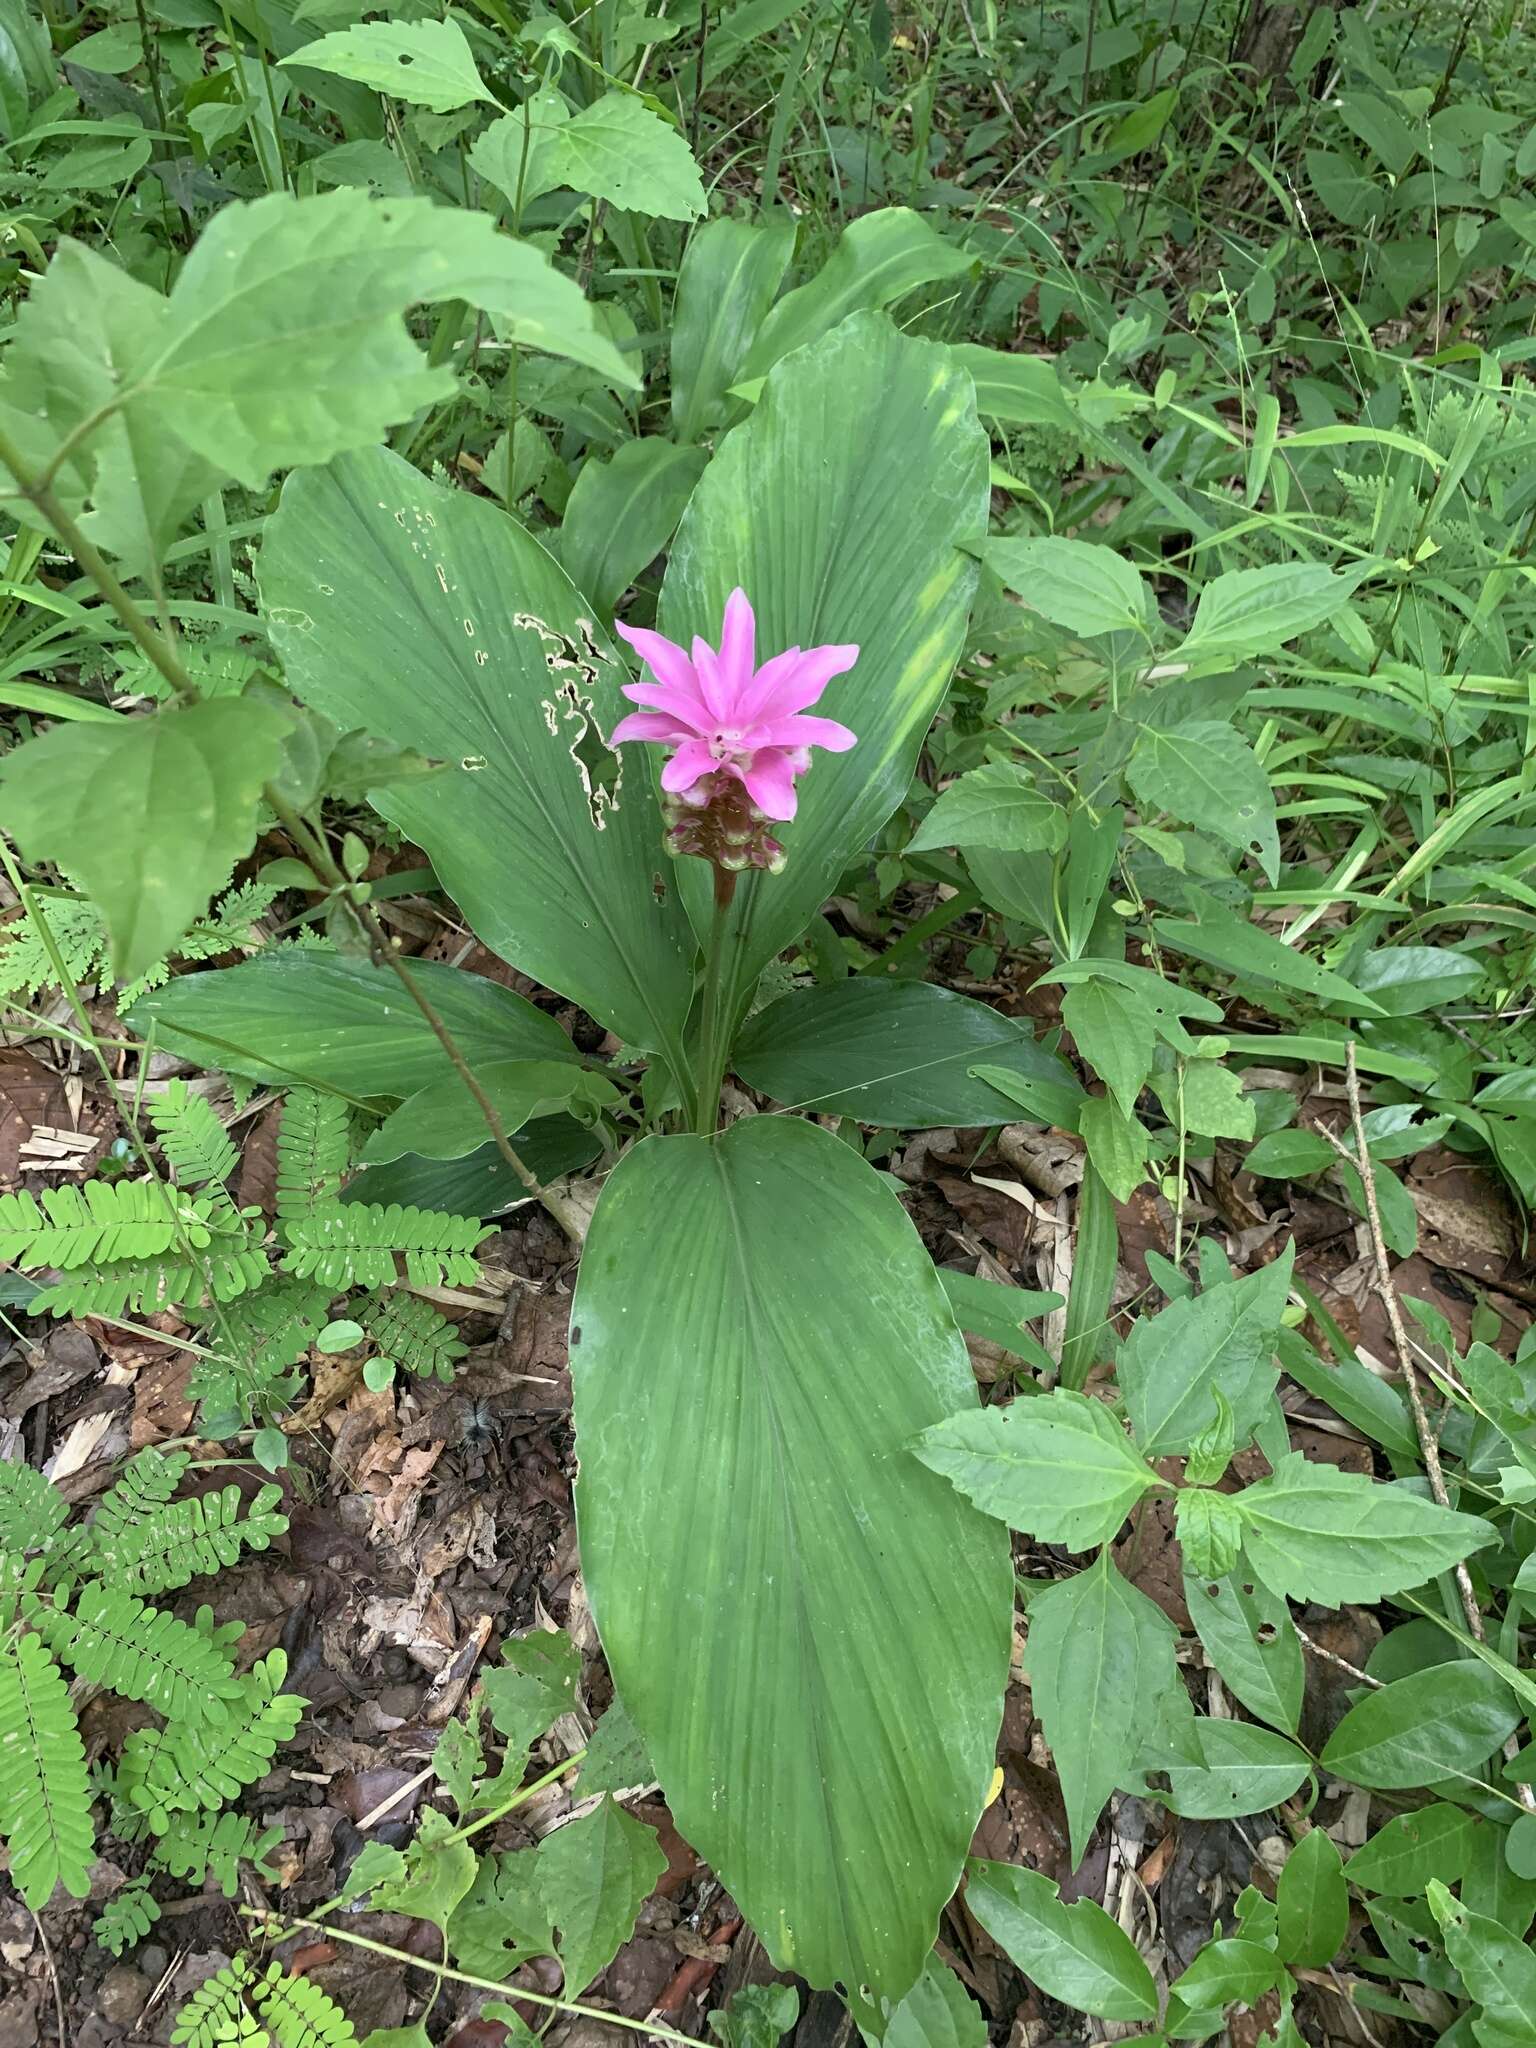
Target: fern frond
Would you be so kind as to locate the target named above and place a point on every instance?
(300, 2014)
(217, 2015)
(104, 1219)
(137, 1494)
(32, 1509)
(196, 1145)
(412, 1333)
(127, 1917)
(257, 1339)
(215, 1845)
(354, 1244)
(45, 1794)
(146, 1286)
(314, 1147)
(187, 1537)
(206, 1766)
(141, 1653)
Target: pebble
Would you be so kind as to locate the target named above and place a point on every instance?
(153, 1961)
(123, 1994)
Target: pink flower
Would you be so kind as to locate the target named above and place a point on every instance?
(728, 720)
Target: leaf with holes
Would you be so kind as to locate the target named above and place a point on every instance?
(1202, 773)
(427, 63)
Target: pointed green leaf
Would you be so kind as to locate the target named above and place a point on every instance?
(1210, 1531)
(1400, 1859)
(1060, 1467)
(731, 270)
(808, 507)
(1439, 1723)
(938, 2012)
(1497, 1968)
(1076, 1954)
(827, 1745)
(1221, 1339)
(444, 1121)
(1253, 611)
(594, 1875)
(622, 513)
(438, 1871)
(1076, 584)
(1202, 773)
(619, 150)
(1243, 1770)
(1113, 1033)
(534, 1684)
(432, 618)
(1314, 1902)
(148, 815)
(1247, 1633)
(994, 805)
(427, 63)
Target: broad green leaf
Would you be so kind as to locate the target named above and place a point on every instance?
(1407, 980)
(1254, 611)
(444, 1121)
(1205, 1098)
(1497, 1968)
(731, 270)
(1020, 390)
(1060, 1468)
(1490, 1887)
(1250, 1638)
(1244, 1770)
(1223, 1338)
(438, 1872)
(1248, 949)
(808, 507)
(1074, 583)
(622, 513)
(1400, 1859)
(1113, 1032)
(758, 2016)
(435, 620)
(516, 153)
(619, 150)
(1440, 1723)
(1313, 1900)
(149, 815)
(878, 259)
(534, 1684)
(617, 1759)
(1076, 1954)
(1102, 1675)
(994, 805)
(428, 63)
(1164, 1001)
(1289, 1155)
(482, 1183)
(1202, 773)
(988, 1308)
(738, 28)
(294, 1017)
(827, 1745)
(1226, 1972)
(503, 1919)
(898, 1053)
(594, 1875)
(938, 2012)
(1117, 1145)
(1317, 1532)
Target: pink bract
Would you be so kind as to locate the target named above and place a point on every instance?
(727, 719)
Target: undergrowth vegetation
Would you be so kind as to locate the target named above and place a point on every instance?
(1059, 484)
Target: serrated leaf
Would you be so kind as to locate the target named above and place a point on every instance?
(594, 1876)
(1101, 1669)
(534, 1684)
(1222, 1338)
(995, 805)
(1317, 1532)
(1210, 1531)
(1114, 1034)
(1207, 1099)
(617, 1759)
(439, 1870)
(1076, 1954)
(1442, 1722)
(619, 150)
(149, 815)
(1202, 773)
(1086, 588)
(1253, 611)
(427, 63)
(1058, 1467)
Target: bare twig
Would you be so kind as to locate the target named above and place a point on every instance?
(1429, 1443)
(1332, 1657)
(53, 1979)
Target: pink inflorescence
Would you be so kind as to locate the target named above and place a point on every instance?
(738, 733)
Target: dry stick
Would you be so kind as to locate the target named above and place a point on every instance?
(1429, 1443)
(157, 650)
(1333, 1657)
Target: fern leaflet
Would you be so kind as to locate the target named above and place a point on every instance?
(196, 1145)
(140, 1490)
(187, 1537)
(115, 1640)
(410, 1331)
(32, 1510)
(127, 1917)
(45, 1794)
(353, 1244)
(258, 1339)
(104, 1219)
(217, 2016)
(147, 1285)
(216, 1844)
(313, 1149)
(300, 2014)
(205, 1766)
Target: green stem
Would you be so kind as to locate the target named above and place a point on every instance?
(716, 1019)
(519, 1798)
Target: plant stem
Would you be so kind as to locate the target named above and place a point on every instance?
(163, 657)
(519, 1798)
(715, 1021)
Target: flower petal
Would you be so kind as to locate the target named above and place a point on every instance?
(779, 691)
(716, 692)
(665, 659)
(738, 636)
(770, 782)
(800, 731)
(649, 725)
(679, 705)
(691, 761)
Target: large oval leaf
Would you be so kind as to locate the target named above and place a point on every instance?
(842, 508)
(899, 1053)
(296, 1018)
(810, 1629)
(434, 620)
